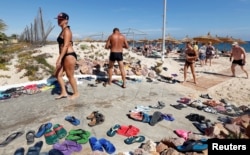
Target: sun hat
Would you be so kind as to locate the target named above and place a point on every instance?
(62, 15)
(234, 43)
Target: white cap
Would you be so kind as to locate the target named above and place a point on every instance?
(235, 43)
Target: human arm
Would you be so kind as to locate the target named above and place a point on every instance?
(125, 44)
(244, 55)
(108, 45)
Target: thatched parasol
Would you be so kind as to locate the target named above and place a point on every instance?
(207, 38)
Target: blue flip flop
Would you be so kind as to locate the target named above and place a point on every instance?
(19, 151)
(72, 120)
(192, 146)
(107, 145)
(35, 150)
(55, 152)
(95, 144)
(42, 129)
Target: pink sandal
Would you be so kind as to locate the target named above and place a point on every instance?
(183, 133)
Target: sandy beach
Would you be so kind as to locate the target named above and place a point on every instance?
(214, 79)
(28, 112)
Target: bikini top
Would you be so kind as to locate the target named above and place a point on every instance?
(60, 40)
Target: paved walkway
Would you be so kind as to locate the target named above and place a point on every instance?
(28, 112)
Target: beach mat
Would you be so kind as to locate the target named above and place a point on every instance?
(212, 79)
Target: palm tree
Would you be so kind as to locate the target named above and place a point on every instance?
(3, 26)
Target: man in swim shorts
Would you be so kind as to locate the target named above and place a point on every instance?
(116, 42)
(239, 58)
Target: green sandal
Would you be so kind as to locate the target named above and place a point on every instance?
(50, 137)
(60, 131)
(83, 140)
(79, 132)
(73, 137)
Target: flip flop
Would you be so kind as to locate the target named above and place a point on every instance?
(60, 131)
(107, 145)
(156, 117)
(42, 129)
(128, 131)
(95, 144)
(73, 146)
(182, 133)
(51, 137)
(35, 150)
(200, 126)
(30, 137)
(55, 152)
(192, 146)
(178, 106)
(112, 131)
(72, 120)
(19, 151)
(11, 137)
(133, 139)
(168, 117)
(62, 148)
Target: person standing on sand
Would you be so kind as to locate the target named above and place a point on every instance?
(116, 42)
(202, 54)
(238, 54)
(191, 56)
(209, 53)
(66, 60)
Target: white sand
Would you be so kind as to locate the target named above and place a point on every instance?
(236, 90)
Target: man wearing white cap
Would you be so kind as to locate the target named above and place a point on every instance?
(239, 58)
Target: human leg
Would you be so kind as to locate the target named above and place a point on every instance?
(242, 68)
(110, 71)
(121, 67)
(59, 77)
(193, 72)
(69, 67)
(185, 72)
(233, 69)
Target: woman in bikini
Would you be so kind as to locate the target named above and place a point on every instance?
(191, 56)
(66, 60)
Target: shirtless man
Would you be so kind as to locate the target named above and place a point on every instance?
(116, 42)
(236, 54)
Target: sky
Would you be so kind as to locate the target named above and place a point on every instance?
(137, 19)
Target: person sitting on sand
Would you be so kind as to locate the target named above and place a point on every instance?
(116, 42)
(191, 56)
(239, 58)
(67, 58)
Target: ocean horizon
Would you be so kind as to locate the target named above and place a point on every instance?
(220, 46)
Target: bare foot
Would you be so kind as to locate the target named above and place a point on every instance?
(106, 83)
(61, 96)
(123, 86)
(195, 82)
(74, 96)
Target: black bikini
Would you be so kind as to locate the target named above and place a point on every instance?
(60, 41)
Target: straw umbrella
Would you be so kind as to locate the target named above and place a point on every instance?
(226, 39)
(207, 38)
(187, 39)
